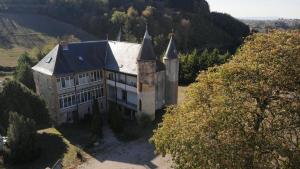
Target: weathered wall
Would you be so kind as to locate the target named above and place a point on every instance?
(46, 88)
(172, 70)
(160, 90)
(146, 88)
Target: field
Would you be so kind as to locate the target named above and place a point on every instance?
(30, 32)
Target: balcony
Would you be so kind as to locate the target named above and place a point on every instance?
(123, 86)
(124, 103)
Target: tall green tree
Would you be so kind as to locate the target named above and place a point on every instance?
(18, 98)
(96, 124)
(243, 114)
(21, 139)
(23, 71)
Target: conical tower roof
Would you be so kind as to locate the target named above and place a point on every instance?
(146, 52)
(171, 52)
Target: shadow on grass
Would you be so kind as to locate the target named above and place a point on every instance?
(77, 134)
(52, 147)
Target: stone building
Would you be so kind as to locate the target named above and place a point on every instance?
(130, 75)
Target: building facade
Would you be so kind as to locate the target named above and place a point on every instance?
(71, 76)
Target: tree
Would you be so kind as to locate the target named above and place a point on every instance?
(23, 71)
(21, 139)
(243, 114)
(96, 124)
(18, 98)
(192, 63)
(24, 75)
(115, 118)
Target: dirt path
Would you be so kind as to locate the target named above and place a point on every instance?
(113, 154)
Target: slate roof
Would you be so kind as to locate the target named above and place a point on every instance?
(171, 52)
(147, 52)
(85, 56)
(78, 57)
(122, 57)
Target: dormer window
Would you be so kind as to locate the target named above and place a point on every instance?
(80, 58)
(49, 60)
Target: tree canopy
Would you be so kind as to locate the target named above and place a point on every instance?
(21, 139)
(18, 98)
(243, 114)
(23, 71)
(194, 25)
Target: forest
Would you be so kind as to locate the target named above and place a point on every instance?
(195, 27)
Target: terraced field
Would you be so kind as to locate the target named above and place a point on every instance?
(26, 32)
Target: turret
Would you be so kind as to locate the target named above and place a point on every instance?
(171, 62)
(146, 62)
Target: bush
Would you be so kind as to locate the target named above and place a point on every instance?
(96, 123)
(23, 71)
(144, 121)
(21, 139)
(18, 98)
(115, 118)
(131, 132)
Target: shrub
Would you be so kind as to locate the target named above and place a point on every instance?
(96, 123)
(18, 98)
(21, 139)
(131, 133)
(115, 118)
(144, 120)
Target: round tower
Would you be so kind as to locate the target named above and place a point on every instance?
(146, 63)
(171, 62)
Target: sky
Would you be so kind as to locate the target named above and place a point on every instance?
(257, 8)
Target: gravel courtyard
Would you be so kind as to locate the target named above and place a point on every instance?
(114, 154)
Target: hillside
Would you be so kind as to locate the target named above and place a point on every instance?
(25, 32)
(195, 27)
(264, 25)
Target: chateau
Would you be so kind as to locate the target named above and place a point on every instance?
(129, 75)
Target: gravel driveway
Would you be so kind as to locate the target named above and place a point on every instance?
(113, 154)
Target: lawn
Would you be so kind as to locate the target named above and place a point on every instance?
(59, 143)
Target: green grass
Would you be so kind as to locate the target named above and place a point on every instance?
(58, 143)
(29, 32)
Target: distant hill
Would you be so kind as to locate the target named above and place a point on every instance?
(21, 32)
(194, 25)
(265, 25)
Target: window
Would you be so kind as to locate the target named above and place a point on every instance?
(124, 95)
(73, 100)
(72, 81)
(69, 101)
(61, 103)
(58, 83)
(65, 102)
(63, 83)
(141, 87)
(98, 75)
(140, 105)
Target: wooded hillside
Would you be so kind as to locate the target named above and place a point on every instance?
(194, 25)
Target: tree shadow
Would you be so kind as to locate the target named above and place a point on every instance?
(52, 148)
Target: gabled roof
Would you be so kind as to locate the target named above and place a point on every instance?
(171, 52)
(47, 64)
(122, 57)
(77, 57)
(85, 56)
(147, 52)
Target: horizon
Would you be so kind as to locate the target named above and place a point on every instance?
(275, 9)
